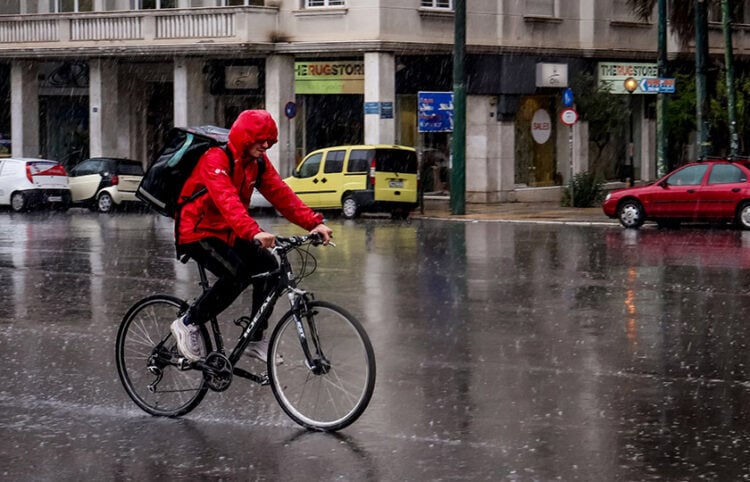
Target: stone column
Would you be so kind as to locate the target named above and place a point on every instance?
(279, 92)
(380, 98)
(506, 165)
(104, 122)
(24, 109)
(193, 105)
(481, 149)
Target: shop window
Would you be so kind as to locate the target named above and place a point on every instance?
(441, 4)
(323, 3)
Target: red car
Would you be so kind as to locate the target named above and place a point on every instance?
(707, 191)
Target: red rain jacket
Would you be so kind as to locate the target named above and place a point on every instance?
(223, 212)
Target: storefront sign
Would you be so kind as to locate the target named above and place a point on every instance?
(386, 110)
(435, 111)
(612, 75)
(551, 75)
(330, 77)
(541, 126)
(241, 77)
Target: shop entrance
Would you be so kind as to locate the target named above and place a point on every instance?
(332, 120)
(535, 142)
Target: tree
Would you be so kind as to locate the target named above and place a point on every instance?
(604, 113)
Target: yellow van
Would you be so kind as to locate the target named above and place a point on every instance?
(358, 179)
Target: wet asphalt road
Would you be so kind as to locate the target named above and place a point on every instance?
(506, 351)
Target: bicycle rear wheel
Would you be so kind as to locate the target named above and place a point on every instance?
(336, 390)
(146, 355)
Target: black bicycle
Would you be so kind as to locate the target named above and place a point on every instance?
(325, 381)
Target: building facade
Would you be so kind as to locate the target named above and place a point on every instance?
(85, 78)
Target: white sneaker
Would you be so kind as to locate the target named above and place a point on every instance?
(189, 339)
(259, 350)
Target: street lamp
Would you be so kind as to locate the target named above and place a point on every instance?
(630, 85)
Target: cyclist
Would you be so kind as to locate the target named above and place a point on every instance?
(217, 231)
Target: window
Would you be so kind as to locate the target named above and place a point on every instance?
(738, 13)
(334, 162)
(323, 3)
(725, 174)
(59, 6)
(690, 176)
(359, 160)
(442, 4)
(230, 3)
(154, 4)
(545, 8)
(311, 166)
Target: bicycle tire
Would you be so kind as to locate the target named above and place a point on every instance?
(326, 401)
(145, 327)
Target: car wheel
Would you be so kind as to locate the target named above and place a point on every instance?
(349, 207)
(104, 203)
(630, 214)
(743, 216)
(18, 202)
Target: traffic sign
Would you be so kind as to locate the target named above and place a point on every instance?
(569, 116)
(567, 97)
(290, 110)
(657, 85)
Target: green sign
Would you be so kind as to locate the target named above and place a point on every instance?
(330, 77)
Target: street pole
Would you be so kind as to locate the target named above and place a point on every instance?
(701, 87)
(630, 85)
(729, 60)
(458, 147)
(661, 99)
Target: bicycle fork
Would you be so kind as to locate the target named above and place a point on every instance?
(315, 360)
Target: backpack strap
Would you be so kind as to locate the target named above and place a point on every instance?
(200, 192)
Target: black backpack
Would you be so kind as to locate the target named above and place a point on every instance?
(161, 184)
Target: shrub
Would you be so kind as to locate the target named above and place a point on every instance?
(587, 190)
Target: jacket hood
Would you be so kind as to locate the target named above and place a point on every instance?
(252, 126)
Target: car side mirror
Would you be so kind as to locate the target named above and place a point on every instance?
(663, 184)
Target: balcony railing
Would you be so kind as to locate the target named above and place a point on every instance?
(100, 30)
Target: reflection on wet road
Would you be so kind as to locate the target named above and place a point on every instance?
(506, 351)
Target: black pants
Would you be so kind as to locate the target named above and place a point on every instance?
(233, 266)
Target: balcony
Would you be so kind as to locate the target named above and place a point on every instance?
(165, 32)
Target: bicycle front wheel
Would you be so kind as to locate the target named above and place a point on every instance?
(331, 388)
(147, 356)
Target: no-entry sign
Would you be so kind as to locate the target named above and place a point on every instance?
(569, 116)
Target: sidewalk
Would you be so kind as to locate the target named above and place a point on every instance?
(540, 212)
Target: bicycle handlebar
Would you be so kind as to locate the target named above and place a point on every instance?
(292, 241)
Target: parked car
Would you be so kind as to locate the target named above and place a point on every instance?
(707, 191)
(358, 179)
(103, 183)
(27, 183)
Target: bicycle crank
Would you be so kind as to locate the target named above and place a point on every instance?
(217, 371)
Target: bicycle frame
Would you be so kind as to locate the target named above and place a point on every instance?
(298, 299)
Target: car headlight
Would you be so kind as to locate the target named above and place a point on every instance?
(606, 198)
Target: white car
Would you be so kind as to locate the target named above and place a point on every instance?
(103, 183)
(27, 183)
